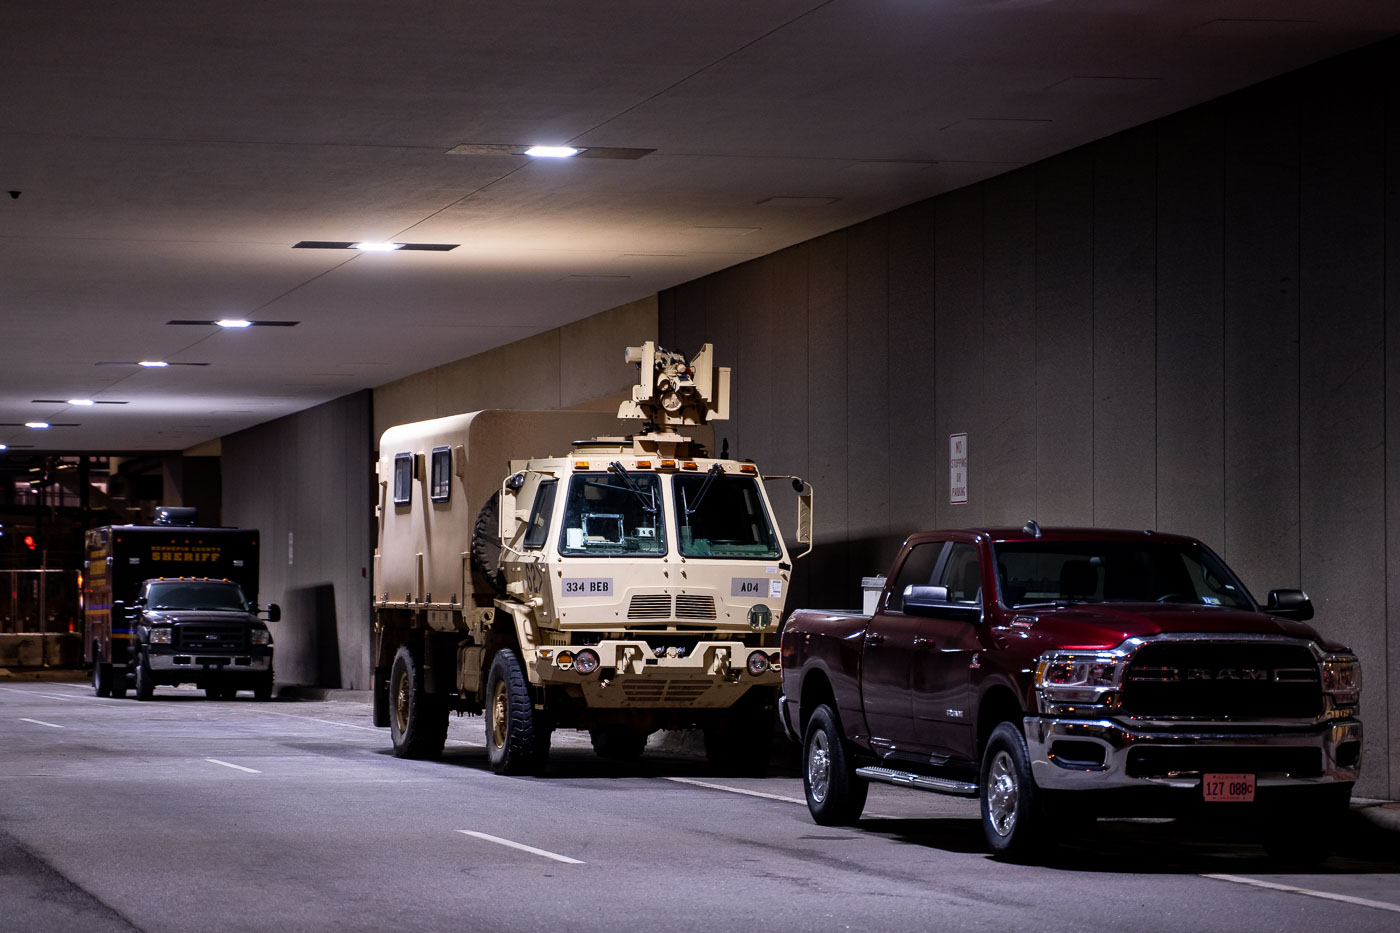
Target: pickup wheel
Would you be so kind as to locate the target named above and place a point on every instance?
(417, 719)
(145, 681)
(517, 741)
(618, 743)
(1013, 815)
(835, 794)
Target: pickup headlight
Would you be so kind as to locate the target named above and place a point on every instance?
(262, 636)
(160, 635)
(1341, 678)
(1078, 677)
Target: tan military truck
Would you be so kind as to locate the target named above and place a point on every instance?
(538, 569)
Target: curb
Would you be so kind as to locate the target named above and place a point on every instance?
(302, 692)
(1383, 814)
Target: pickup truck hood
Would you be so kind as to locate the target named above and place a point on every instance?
(1107, 625)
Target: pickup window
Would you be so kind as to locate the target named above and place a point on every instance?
(175, 594)
(613, 515)
(723, 516)
(940, 563)
(1038, 573)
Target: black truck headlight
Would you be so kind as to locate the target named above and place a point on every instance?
(262, 636)
(1079, 676)
(160, 635)
(1341, 679)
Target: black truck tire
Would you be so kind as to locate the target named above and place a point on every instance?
(262, 692)
(102, 678)
(486, 543)
(145, 681)
(517, 739)
(835, 793)
(1013, 813)
(118, 680)
(417, 719)
(618, 743)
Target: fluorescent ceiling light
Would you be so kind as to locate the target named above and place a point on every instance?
(153, 364)
(377, 247)
(81, 401)
(38, 425)
(234, 322)
(551, 152)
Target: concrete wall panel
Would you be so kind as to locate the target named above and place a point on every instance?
(915, 452)
(959, 354)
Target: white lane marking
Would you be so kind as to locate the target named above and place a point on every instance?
(227, 764)
(1290, 889)
(522, 847)
(40, 722)
(328, 722)
(737, 790)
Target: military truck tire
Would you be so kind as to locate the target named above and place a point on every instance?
(512, 743)
(262, 692)
(486, 542)
(101, 678)
(417, 719)
(618, 743)
(835, 794)
(1013, 815)
(145, 681)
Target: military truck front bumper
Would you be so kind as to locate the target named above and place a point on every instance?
(630, 673)
(163, 659)
(1078, 754)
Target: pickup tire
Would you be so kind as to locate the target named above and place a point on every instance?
(145, 680)
(417, 719)
(517, 740)
(618, 743)
(835, 794)
(1013, 814)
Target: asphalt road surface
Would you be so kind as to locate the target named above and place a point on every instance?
(185, 814)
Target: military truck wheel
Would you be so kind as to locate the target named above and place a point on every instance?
(145, 682)
(516, 742)
(486, 542)
(835, 794)
(101, 678)
(1013, 815)
(417, 719)
(618, 743)
(262, 692)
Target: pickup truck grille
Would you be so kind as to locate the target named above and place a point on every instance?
(209, 636)
(1163, 761)
(1227, 680)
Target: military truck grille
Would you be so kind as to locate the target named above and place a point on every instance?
(1228, 680)
(683, 691)
(209, 636)
(695, 607)
(649, 606)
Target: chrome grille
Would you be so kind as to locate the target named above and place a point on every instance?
(695, 607)
(649, 606)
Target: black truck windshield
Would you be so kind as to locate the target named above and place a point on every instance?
(196, 594)
(721, 515)
(1039, 572)
(613, 515)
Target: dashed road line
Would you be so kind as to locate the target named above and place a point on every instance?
(737, 790)
(522, 847)
(40, 722)
(1307, 892)
(328, 722)
(229, 764)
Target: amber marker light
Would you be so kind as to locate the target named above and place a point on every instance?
(748, 468)
(668, 464)
(689, 465)
(580, 464)
(644, 464)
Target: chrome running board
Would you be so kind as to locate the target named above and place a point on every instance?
(920, 781)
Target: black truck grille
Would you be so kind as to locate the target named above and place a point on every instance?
(1230, 680)
(209, 636)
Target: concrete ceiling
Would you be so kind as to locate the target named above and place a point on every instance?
(168, 154)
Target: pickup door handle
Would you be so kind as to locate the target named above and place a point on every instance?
(922, 642)
(874, 638)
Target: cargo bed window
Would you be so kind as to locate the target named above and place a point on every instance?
(613, 515)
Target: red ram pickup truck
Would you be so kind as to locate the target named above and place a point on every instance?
(1066, 673)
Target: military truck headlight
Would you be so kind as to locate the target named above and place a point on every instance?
(1078, 676)
(586, 661)
(262, 636)
(160, 635)
(1341, 677)
(758, 663)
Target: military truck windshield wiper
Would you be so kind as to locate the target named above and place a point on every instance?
(648, 503)
(686, 507)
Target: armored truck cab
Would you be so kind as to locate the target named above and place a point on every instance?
(539, 571)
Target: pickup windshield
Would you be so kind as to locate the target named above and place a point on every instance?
(175, 594)
(721, 515)
(613, 515)
(1046, 572)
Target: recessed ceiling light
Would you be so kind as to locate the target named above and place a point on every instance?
(153, 364)
(37, 425)
(234, 322)
(351, 244)
(81, 401)
(371, 247)
(552, 152)
(582, 152)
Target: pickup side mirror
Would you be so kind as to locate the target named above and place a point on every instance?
(274, 612)
(1289, 604)
(933, 601)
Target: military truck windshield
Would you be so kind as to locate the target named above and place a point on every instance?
(721, 515)
(613, 515)
(186, 594)
(1038, 573)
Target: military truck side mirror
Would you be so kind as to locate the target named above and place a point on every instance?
(933, 601)
(274, 612)
(804, 515)
(1289, 604)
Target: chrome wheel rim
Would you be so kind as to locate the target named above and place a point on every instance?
(1003, 794)
(500, 715)
(402, 699)
(819, 767)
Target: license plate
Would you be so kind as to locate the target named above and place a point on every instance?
(1228, 788)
